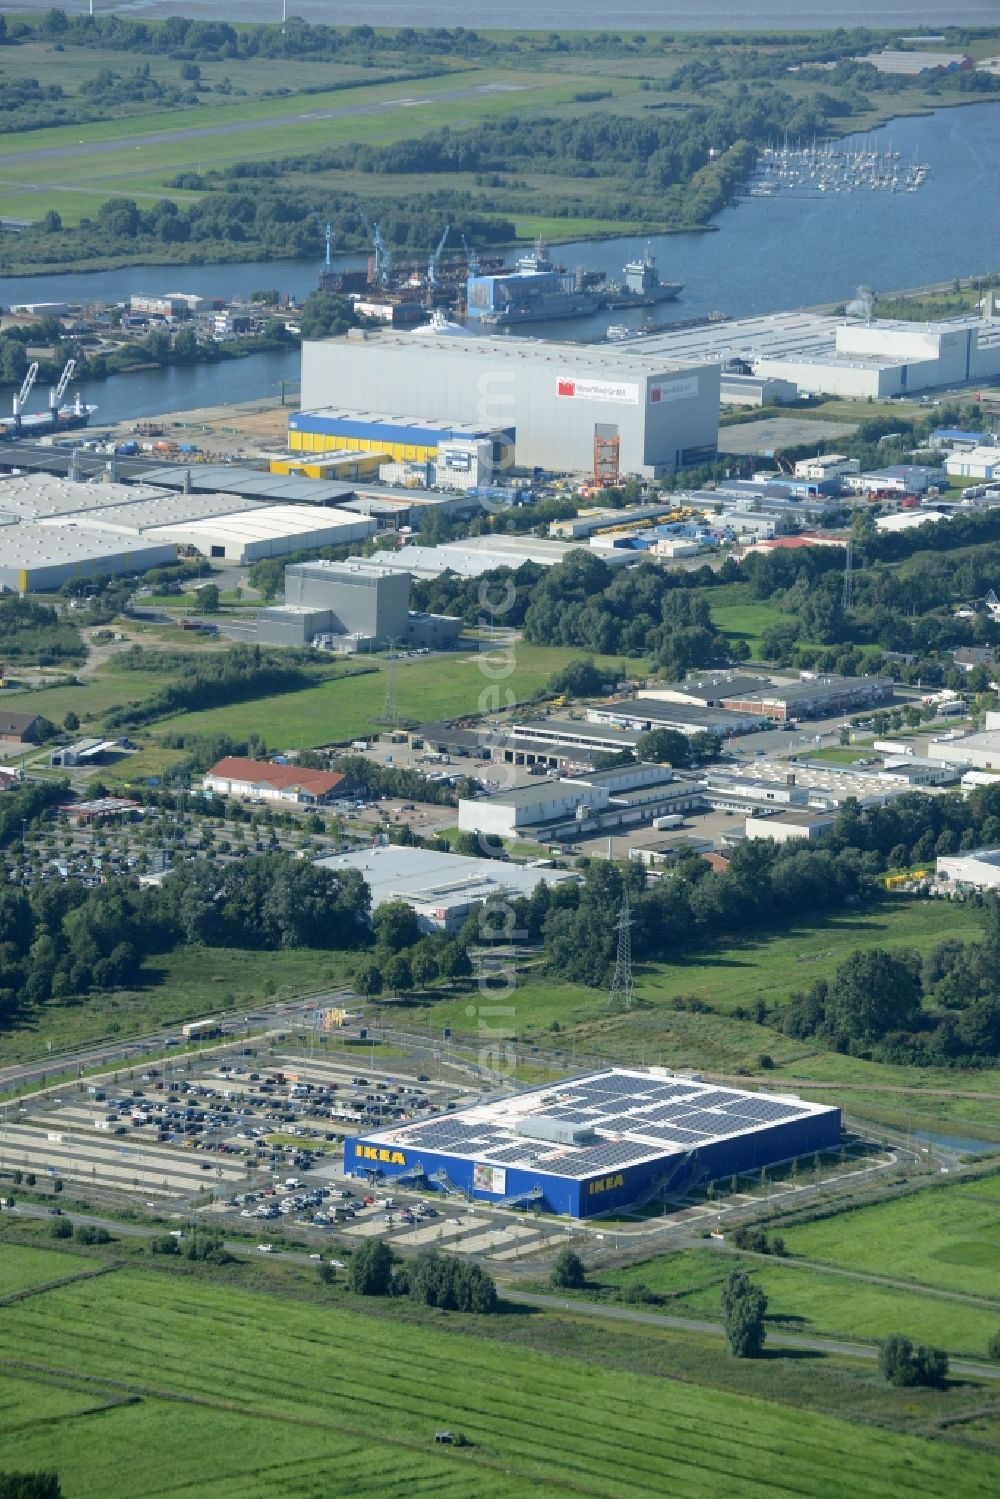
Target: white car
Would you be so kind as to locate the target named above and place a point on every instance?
(249, 1213)
(266, 1248)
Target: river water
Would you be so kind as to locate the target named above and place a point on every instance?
(767, 254)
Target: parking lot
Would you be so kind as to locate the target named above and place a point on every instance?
(251, 1138)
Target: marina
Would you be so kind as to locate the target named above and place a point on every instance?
(827, 167)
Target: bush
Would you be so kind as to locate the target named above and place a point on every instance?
(900, 1365)
(30, 1486)
(451, 1284)
(61, 1228)
(569, 1272)
(164, 1244)
(89, 1233)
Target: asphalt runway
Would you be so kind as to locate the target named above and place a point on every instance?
(274, 123)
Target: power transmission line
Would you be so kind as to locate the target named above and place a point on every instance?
(847, 595)
(622, 996)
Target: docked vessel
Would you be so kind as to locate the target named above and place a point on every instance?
(537, 291)
(642, 287)
(42, 423)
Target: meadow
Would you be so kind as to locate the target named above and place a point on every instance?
(139, 154)
(310, 1400)
(22, 1268)
(947, 1236)
(427, 688)
(177, 986)
(810, 1301)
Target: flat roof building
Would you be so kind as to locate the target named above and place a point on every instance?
(267, 531)
(823, 354)
(440, 888)
(979, 870)
(355, 600)
(579, 805)
(560, 399)
(644, 714)
(788, 827)
(595, 1144)
(40, 558)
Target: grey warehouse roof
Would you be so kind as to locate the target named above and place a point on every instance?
(252, 483)
(534, 350)
(428, 878)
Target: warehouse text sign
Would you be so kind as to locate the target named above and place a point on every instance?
(605, 1183)
(380, 1153)
(672, 390)
(597, 390)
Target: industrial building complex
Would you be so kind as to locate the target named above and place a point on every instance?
(56, 529)
(820, 354)
(563, 403)
(351, 606)
(596, 1144)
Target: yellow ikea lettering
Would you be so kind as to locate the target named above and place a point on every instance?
(605, 1183)
(379, 1153)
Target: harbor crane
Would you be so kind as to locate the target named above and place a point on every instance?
(383, 255)
(24, 393)
(471, 258)
(59, 390)
(328, 234)
(435, 259)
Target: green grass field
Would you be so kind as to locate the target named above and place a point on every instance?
(138, 154)
(22, 1268)
(808, 1301)
(178, 986)
(739, 974)
(307, 1400)
(747, 622)
(948, 1236)
(427, 688)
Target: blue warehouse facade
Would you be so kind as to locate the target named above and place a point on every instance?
(596, 1144)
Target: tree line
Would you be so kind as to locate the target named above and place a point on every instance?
(61, 939)
(206, 681)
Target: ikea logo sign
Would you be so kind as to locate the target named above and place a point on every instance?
(380, 1153)
(605, 1183)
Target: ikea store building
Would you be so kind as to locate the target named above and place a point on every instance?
(598, 1143)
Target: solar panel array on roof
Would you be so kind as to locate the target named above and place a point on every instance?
(632, 1116)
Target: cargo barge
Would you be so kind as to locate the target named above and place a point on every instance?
(35, 424)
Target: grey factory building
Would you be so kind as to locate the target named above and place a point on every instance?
(561, 399)
(351, 605)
